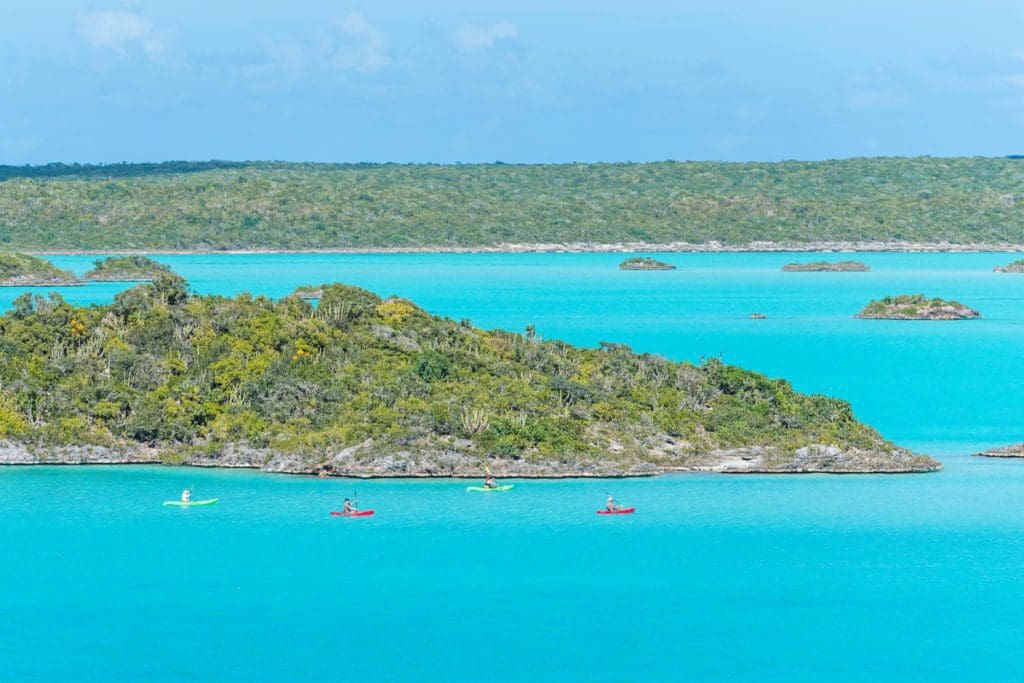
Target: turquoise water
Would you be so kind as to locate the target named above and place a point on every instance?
(945, 388)
(747, 578)
(751, 578)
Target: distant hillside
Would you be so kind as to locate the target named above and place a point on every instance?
(230, 205)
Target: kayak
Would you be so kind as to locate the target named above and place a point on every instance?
(360, 513)
(191, 503)
(506, 487)
(620, 511)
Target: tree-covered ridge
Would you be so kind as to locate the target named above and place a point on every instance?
(201, 376)
(917, 307)
(645, 263)
(121, 170)
(184, 206)
(125, 269)
(22, 270)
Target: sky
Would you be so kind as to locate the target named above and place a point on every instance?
(519, 81)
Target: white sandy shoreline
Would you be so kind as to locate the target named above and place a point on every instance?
(591, 247)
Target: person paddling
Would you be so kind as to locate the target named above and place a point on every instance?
(489, 482)
(186, 496)
(611, 505)
(349, 507)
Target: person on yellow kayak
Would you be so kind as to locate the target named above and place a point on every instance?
(186, 496)
(349, 507)
(489, 482)
(611, 505)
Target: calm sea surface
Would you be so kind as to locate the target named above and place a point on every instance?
(753, 578)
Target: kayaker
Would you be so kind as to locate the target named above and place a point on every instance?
(186, 496)
(349, 507)
(489, 482)
(611, 505)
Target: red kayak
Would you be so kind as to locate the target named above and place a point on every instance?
(361, 513)
(620, 511)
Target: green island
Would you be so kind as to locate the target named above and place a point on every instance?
(871, 203)
(827, 267)
(916, 307)
(364, 386)
(1013, 267)
(132, 268)
(22, 270)
(645, 263)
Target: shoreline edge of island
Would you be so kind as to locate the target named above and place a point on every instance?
(584, 248)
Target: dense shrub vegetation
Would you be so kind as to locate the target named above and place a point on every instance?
(223, 205)
(161, 366)
(126, 269)
(916, 306)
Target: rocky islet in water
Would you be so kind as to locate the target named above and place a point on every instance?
(22, 270)
(827, 267)
(645, 263)
(133, 268)
(1012, 451)
(916, 307)
(1014, 267)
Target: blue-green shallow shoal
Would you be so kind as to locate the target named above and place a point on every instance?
(749, 578)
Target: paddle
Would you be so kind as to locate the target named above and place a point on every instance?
(617, 505)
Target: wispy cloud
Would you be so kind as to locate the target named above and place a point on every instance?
(474, 37)
(1015, 81)
(120, 32)
(357, 46)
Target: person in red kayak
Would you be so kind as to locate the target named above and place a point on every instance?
(611, 505)
(349, 507)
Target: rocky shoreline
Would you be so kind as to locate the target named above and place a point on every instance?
(362, 461)
(594, 247)
(28, 281)
(1015, 267)
(1013, 451)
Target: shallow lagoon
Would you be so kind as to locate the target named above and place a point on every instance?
(746, 578)
(743, 578)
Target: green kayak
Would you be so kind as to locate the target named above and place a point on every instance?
(191, 503)
(506, 487)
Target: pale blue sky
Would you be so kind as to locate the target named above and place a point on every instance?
(518, 81)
